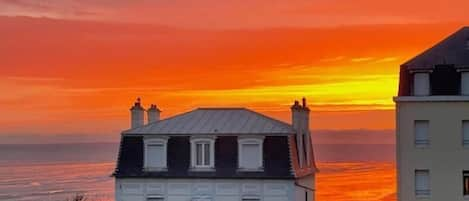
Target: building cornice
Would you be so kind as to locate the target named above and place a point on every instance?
(457, 98)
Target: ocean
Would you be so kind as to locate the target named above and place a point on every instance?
(55, 172)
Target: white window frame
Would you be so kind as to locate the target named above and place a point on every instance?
(422, 143)
(155, 141)
(258, 140)
(204, 140)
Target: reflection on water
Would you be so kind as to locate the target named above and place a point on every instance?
(56, 181)
(336, 181)
(33, 176)
(356, 182)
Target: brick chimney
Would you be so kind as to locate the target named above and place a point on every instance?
(153, 114)
(137, 114)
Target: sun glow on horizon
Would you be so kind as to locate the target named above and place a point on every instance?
(80, 77)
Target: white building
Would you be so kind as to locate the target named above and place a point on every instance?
(216, 154)
(433, 123)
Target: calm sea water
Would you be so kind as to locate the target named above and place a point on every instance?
(50, 172)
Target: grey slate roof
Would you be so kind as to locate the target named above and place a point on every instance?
(216, 121)
(453, 50)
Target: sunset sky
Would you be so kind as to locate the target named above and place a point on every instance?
(70, 70)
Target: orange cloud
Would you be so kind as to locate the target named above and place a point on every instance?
(236, 14)
(68, 76)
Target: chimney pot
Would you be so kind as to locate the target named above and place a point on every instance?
(137, 114)
(296, 105)
(153, 114)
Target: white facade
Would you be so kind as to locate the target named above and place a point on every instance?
(432, 170)
(211, 190)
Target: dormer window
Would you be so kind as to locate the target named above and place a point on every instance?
(250, 153)
(155, 154)
(202, 153)
(421, 84)
(465, 82)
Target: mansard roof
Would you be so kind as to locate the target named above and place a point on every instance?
(453, 50)
(217, 121)
(276, 159)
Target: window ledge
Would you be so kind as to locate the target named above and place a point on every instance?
(155, 169)
(202, 169)
(250, 170)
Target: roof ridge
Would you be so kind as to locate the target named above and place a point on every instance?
(220, 108)
(242, 115)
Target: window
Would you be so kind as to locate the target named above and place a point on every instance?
(466, 183)
(422, 183)
(155, 158)
(465, 133)
(202, 153)
(421, 84)
(445, 80)
(155, 153)
(250, 153)
(421, 129)
(465, 83)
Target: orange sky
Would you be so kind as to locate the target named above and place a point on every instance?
(69, 68)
